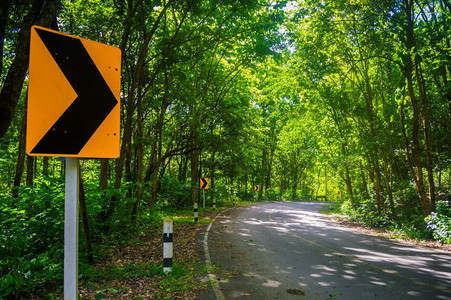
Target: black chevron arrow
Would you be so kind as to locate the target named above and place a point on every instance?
(204, 183)
(95, 100)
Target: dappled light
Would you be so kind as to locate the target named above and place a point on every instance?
(283, 246)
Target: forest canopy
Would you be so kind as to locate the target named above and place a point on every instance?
(346, 101)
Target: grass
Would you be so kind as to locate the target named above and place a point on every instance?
(330, 209)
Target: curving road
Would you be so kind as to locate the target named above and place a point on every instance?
(290, 251)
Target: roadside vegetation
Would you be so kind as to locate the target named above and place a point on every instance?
(436, 226)
(345, 101)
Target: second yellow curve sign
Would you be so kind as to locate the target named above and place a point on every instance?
(73, 96)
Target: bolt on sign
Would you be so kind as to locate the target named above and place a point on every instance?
(256, 188)
(73, 96)
(204, 183)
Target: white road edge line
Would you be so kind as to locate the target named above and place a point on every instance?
(214, 281)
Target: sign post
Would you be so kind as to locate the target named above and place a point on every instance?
(203, 197)
(71, 229)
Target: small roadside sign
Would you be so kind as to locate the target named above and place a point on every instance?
(204, 183)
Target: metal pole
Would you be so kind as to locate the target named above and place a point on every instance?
(203, 195)
(71, 230)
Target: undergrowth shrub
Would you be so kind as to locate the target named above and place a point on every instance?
(408, 221)
(440, 223)
(31, 238)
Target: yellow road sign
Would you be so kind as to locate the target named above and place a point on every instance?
(73, 96)
(256, 188)
(204, 183)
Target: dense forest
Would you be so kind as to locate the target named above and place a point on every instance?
(346, 101)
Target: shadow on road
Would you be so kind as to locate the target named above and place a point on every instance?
(289, 250)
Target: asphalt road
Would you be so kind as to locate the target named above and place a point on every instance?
(290, 251)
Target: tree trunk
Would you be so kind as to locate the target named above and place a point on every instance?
(388, 186)
(153, 173)
(84, 218)
(5, 7)
(212, 176)
(139, 159)
(129, 175)
(262, 174)
(194, 174)
(426, 131)
(368, 95)
(377, 184)
(103, 174)
(294, 183)
(416, 151)
(364, 183)
(183, 168)
(349, 186)
(30, 171)
(45, 166)
(42, 13)
(406, 141)
(20, 156)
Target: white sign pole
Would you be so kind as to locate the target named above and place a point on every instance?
(203, 194)
(71, 230)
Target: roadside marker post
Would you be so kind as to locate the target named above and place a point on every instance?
(168, 249)
(196, 213)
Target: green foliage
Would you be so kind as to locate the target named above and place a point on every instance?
(409, 223)
(31, 238)
(182, 277)
(174, 193)
(366, 213)
(440, 223)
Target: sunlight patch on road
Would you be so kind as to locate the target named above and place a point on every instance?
(321, 283)
(308, 217)
(324, 268)
(271, 283)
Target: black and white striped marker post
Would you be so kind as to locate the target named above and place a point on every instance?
(168, 249)
(214, 204)
(196, 214)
